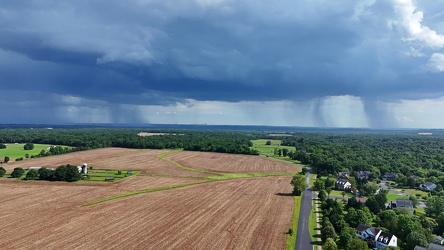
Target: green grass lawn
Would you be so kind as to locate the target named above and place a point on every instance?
(291, 239)
(393, 196)
(268, 150)
(312, 225)
(415, 191)
(14, 151)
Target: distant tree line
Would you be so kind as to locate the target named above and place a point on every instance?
(236, 142)
(408, 155)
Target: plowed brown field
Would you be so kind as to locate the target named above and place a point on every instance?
(235, 214)
(110, 158)
(231, 163)
(245, 213)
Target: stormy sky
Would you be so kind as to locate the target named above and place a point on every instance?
(362, 63)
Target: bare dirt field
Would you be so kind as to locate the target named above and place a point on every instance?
(110, 158)
(234, 214)
(232, 163)
(249, 213)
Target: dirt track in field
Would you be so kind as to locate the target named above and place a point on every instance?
(246, 213)
(231, 163)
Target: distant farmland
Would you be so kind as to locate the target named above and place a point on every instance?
(14, 151)
(246, 213)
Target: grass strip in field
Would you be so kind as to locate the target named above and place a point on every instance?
(143, 191)
(312, 224)
(291, 239)
(229, 176)
(164, 158)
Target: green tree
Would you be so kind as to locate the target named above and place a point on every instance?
(416, 238)
(17, 172)
(268, 143)
(2, 171)
(6, 159)
(345, 236)
(328, 231)
(32, 174)
(329, 244)
(369, 188)
(389, 220)
(322, 195)
(72, 173)
(407, 223)
(356, 244)
(45, 174)
(330, 182)
(319, 184)
(343, 194)
(60, 173)
(2, 146)
(435, 206)
(328, 190)
(28, 146)
(299, 184)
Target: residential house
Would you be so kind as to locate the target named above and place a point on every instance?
(400, 203)
(427, 186)
(363, 174)
(343, 175)
(438, 240)
(389, 176)
(365, 232)
(380, 238)
(386, 240)
(343, 185)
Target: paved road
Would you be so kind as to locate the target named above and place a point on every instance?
(303, 239)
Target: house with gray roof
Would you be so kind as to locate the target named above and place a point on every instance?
(402, 203)
(427, 186)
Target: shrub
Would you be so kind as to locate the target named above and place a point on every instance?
(2, 171)
(17, 172)
(32, 174)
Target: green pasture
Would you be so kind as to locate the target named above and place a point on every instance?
(268, 150)
(14, 151)
(98, 175)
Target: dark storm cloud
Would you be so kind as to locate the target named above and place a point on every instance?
(164, 52)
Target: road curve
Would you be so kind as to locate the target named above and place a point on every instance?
(303, 239)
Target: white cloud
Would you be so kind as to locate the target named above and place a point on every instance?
(411, 19)
(436, 62)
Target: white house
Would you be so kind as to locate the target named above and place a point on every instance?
(343, 185)
(381, 239)
(384, 239)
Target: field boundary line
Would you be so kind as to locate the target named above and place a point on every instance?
(142, 191)
(163, 157)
